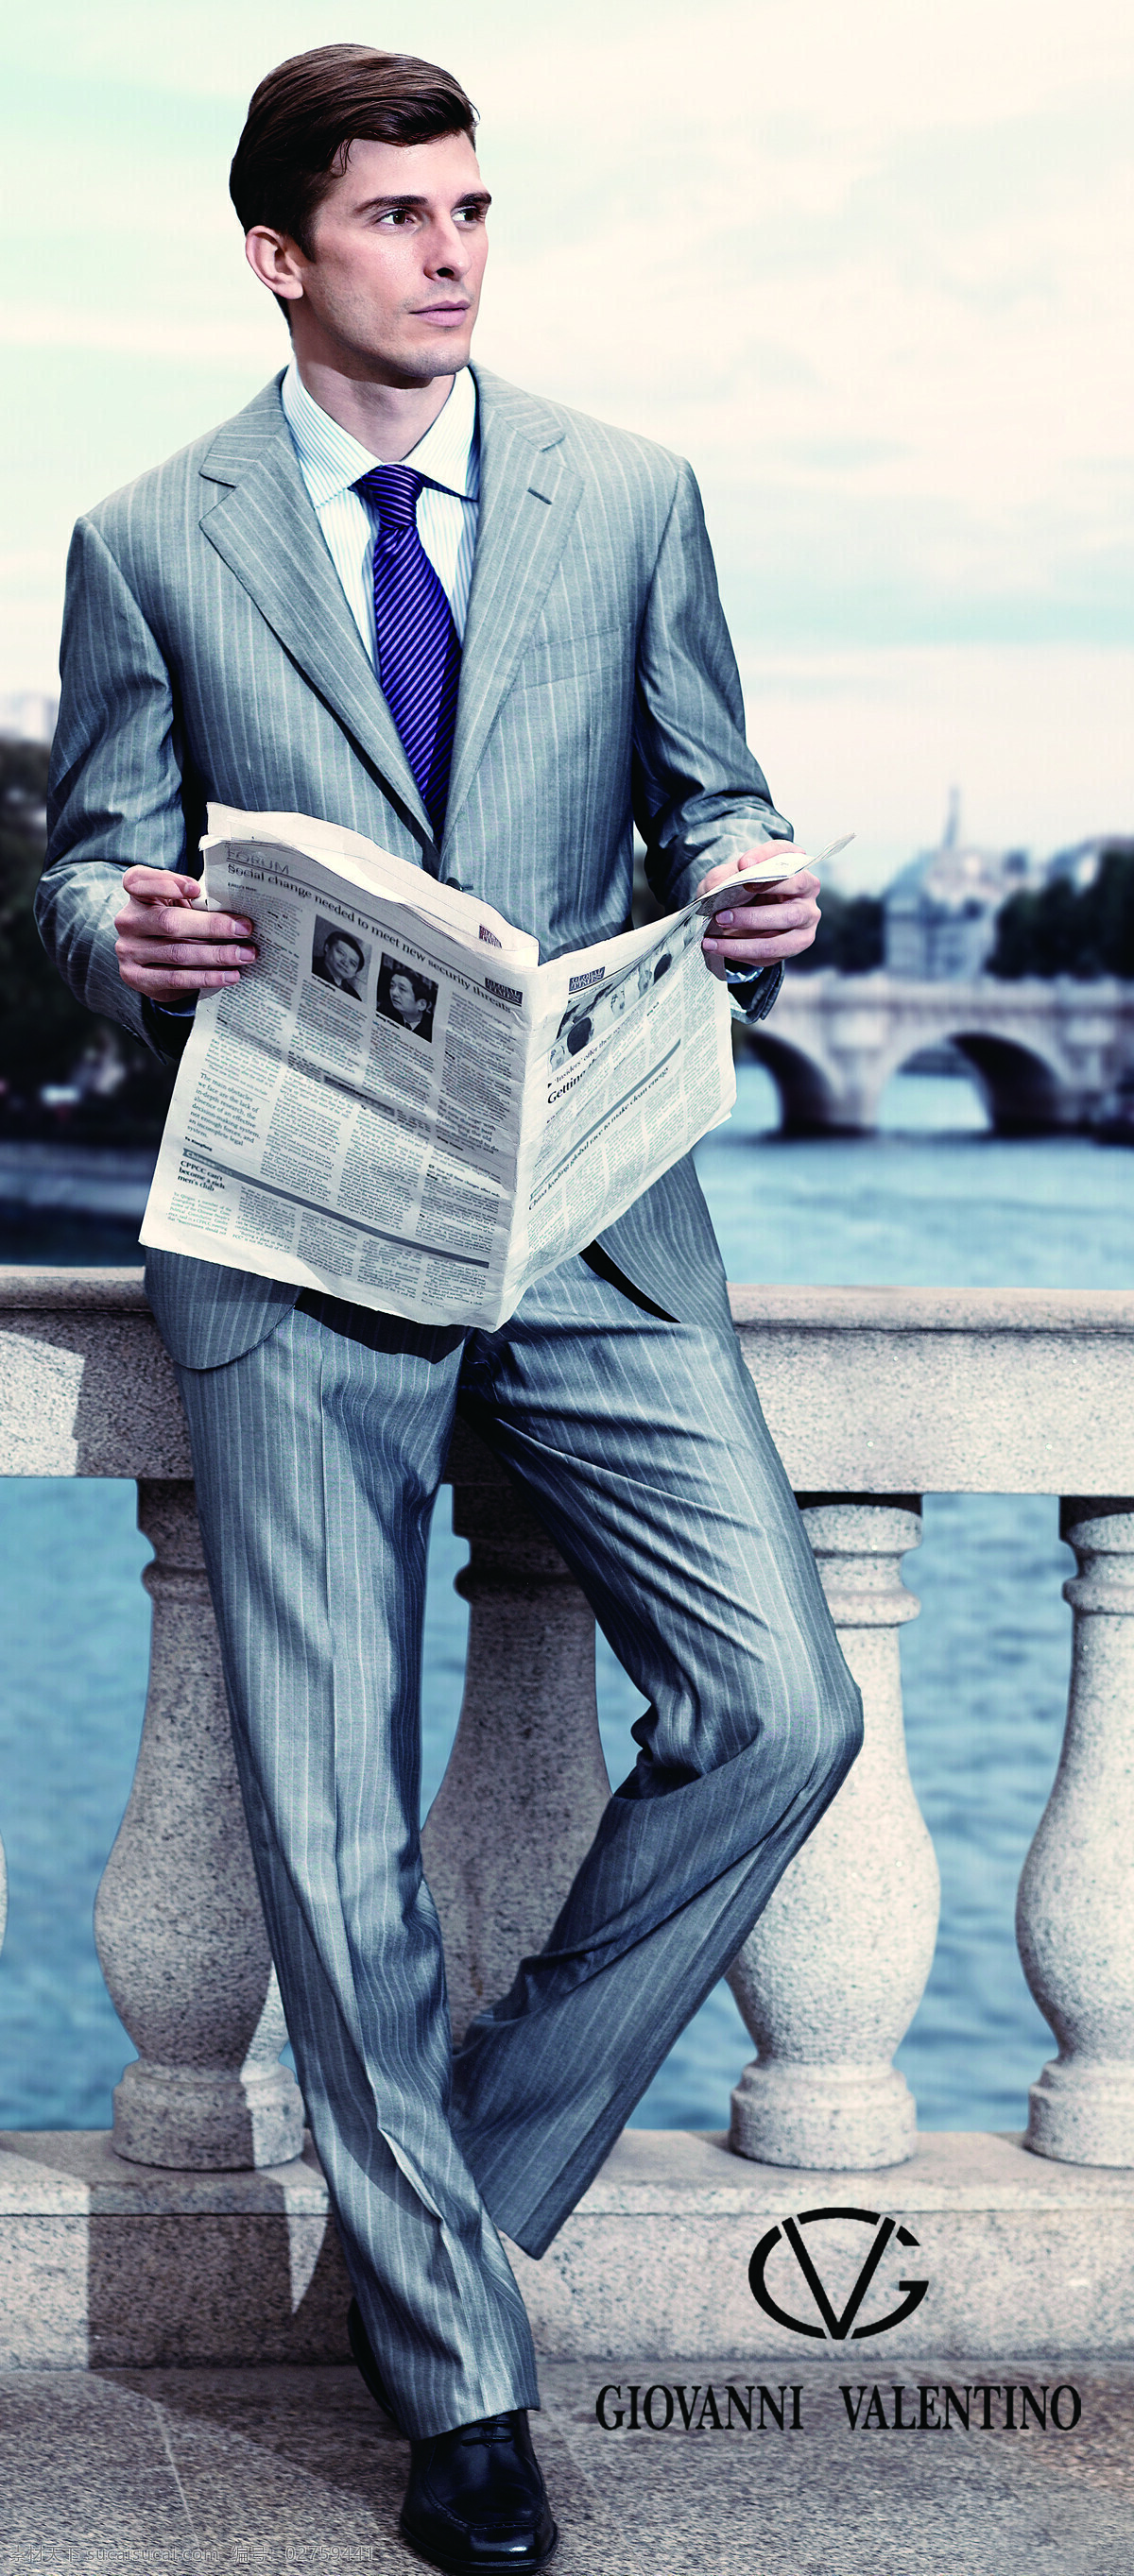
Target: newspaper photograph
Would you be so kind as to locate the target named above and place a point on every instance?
(399, 1105)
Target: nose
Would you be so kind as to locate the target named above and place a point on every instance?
(448, 252)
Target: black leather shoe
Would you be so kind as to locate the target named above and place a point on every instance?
(364, 2359)
(476, 2504)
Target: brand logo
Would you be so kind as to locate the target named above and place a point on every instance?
(805, 2253)
(501, 992)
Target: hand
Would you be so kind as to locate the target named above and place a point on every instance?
(166, 949)
(769, 921)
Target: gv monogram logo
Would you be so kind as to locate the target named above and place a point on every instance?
(835, 2326)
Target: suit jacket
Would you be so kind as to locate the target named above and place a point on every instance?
(209, 652)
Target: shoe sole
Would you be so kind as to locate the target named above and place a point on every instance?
(480, 2566)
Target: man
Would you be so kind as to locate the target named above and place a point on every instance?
(408, 999)
(341, 961)
(483, 630)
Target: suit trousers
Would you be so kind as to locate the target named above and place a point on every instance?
(642, 1446)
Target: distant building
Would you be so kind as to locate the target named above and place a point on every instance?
(27, 715)
(941, 911)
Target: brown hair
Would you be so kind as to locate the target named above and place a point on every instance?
(305, 114)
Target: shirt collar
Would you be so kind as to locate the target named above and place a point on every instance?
(331, 459)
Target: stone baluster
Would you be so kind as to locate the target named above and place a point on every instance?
(832, 1975)
(526, 1782)
(178, 1924)
(1076, 1901)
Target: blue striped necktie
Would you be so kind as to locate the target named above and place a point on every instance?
(419, 656)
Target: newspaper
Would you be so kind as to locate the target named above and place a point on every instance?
(400, 1105)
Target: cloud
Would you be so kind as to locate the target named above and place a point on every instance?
(742, 66)
(171, 337)
(1037, 739)
(870, 270)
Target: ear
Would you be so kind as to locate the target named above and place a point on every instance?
(275, 260)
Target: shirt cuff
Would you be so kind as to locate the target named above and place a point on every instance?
(751, 995)
(168, 1030)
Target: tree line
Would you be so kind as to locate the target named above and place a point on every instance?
(1055, 929)
(47, 1039)
(1063, 929)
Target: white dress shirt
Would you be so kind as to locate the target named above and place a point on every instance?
(331, 461)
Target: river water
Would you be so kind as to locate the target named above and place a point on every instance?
(931, 1200)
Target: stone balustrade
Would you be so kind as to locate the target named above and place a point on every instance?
(874, 1396)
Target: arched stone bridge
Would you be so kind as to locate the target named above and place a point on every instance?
(1042, 1054)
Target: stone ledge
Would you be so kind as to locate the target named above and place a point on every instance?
(988, 1312)
(694, 2173)
(52, 2172)
(108, 2265)
(1020, 2254)
(109, 1291)
(686, 2173)
(120, 1291)
(866, 1390)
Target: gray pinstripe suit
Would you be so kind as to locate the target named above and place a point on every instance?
(209, 652)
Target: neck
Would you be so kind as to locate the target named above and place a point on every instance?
(388, 420)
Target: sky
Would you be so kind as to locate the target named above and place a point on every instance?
(869, 269)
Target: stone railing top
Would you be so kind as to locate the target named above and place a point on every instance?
(74, 1292)
(932, 1310)
(826, 1309)
(867, 1390)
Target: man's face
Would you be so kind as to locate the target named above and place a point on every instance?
(404, 998)
(398, 251)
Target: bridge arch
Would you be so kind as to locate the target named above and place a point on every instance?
(1022, 1090)
(809, 1101)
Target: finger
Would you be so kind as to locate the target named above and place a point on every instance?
(157, 982)
(757, 935)
(162, 896)
(179, 924)
(167, 955)
(799, 888)
(760, 952)
(786, 889)
(743, 926)
(749, 920)
(750, 858)
(160, 885)
(176, 923)
(157, 921)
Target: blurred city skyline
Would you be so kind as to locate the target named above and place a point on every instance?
(870, 274)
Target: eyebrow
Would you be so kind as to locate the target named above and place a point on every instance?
(391, 205)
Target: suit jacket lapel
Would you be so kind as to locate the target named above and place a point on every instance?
(262, 525)
(528, 499)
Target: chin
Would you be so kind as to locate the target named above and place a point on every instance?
(443, 357)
